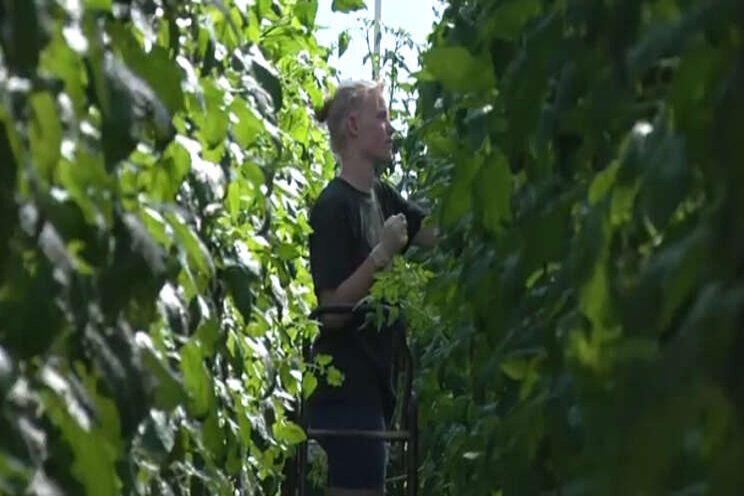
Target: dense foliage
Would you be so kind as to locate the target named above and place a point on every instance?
(580, 323)
(587, 304)
(157, 161)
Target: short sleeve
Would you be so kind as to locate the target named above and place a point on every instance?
(330, 244)
(396, 204)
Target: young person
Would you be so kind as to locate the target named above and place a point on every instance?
(359, 224)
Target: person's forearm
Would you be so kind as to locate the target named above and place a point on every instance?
(426, 237)
(351, 290)
(354, 288)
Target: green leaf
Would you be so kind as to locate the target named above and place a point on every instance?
(667, 178)
(169, 391)
(93, 458)
(196, 379)
(493, 186)
(241, 283)
(287, 251)
(197, 255)
(234, 193)
(208, 334)
(334, 376)
(253, 173)
(594, 300)
(267, 77)
(214, 437)
(515, 368)
(309, 383)
(459, 70)
(163, 179)
(323, 360)
(458, 198)
(214, 121)
(306, 10)
(508, 20)
(45, 134)
(602, 183)
(155, 67)
(104, 5)
(288, 432)
(88, 182)
(60, 60)
(343, 42)
(247, 126)
(347, 5)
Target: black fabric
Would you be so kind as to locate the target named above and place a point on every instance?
(339, 244)
(353, 463)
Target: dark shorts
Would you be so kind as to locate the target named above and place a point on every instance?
(353, 463)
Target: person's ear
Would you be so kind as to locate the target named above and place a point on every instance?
(352, 124)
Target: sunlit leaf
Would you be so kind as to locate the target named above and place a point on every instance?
(347, 5)
(45, 134)
(195, 379)
(288, 432)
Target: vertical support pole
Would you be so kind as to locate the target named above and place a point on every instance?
(378, 38)
(412, 451)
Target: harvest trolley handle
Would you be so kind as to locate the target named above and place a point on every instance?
(408, 433)
(341, 308)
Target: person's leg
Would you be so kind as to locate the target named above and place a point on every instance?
(356, 466)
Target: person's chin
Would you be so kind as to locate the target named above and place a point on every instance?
(386, 158)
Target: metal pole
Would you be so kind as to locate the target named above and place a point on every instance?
(378, 37)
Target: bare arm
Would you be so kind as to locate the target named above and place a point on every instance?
(426, 237)
(356, 286)
(353, 289)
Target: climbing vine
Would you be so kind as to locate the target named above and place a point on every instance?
(586, 304)
(158, 160)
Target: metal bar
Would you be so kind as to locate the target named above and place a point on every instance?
(343, 308)
(382, 435)
(378, 38)
(412, 448)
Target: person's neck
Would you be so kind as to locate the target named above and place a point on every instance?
(358, 172)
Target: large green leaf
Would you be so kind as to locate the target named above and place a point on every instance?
(213, 120)
(508, 19)
(267, 77)
(114, 230)
(196, 379)
(493, 186)
(197, 255)
(93, 463)
(45, 134)
(306, 11)
(458, 69)
(62, 61)
(155, 67)
(289, 432)
(247, 125)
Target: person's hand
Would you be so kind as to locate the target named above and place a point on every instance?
(392, 240)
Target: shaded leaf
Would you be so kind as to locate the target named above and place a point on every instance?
(459, 70)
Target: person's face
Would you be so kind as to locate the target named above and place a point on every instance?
(372, 129)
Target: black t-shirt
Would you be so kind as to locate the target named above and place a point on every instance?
(346, 226)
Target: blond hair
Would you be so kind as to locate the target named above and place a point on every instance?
(349, 96)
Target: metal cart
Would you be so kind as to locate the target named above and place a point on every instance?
(402, 436)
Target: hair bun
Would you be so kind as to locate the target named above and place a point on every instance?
(321, 114)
